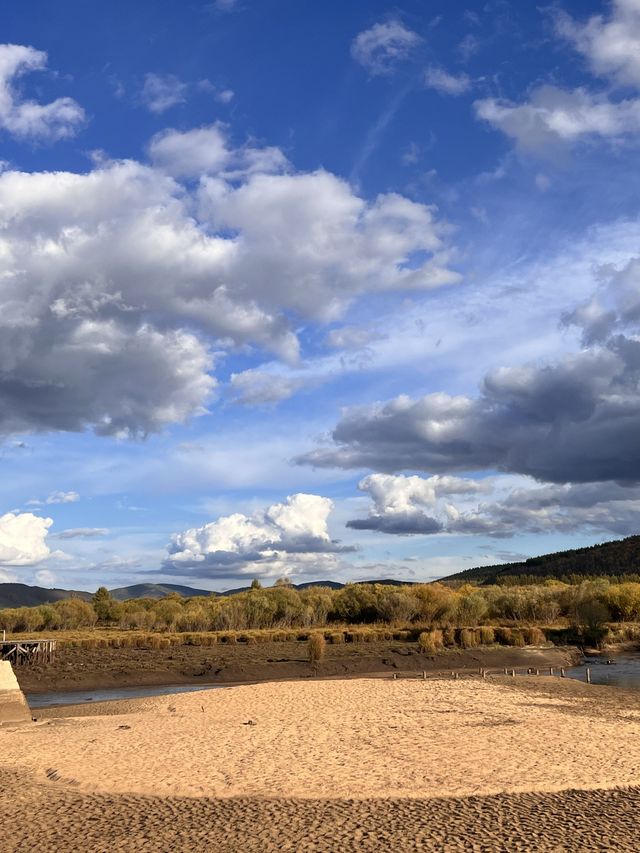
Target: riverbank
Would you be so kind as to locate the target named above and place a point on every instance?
(93, 669)
(368, 764)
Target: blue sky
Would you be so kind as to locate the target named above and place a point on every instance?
(328, 289)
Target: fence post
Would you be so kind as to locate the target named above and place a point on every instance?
(561, 672)
(588, 676)
(513, 673)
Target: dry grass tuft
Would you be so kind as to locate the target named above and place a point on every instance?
(317, 648)
(487, 635)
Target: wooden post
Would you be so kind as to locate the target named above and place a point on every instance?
(561, 672)
(550, 670)
(395, 675)
(513, 673)
(588, 675)
(506, 671)
(424, 674)
(537, 672)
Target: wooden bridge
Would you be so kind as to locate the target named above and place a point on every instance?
(26, 652)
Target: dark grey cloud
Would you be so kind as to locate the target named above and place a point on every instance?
(576, 421)
(398, 523)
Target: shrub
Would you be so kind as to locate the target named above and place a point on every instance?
(468, 638)
(449, 637)
(426, 643)
(317, 648)
(534, 636)
(487, 635)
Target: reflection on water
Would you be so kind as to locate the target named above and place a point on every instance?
(624, 671)
(47, 700)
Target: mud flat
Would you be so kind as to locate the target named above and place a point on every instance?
(93, 669)
(368, 764)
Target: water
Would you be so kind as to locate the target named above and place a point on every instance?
(623, 672)
(80, 697)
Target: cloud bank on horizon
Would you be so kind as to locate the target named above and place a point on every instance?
(405, 306)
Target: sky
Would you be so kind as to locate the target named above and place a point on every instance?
(322, 290)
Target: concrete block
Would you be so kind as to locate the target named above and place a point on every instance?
(13, 705)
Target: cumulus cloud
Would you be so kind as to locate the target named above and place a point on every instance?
(416, 505)
(411, 504)
(206, 151)
(445, 83)
(568, 508)
(160, 92)
(116, 284)
(27, 119)
(611, 44)
(286, 538)
(576, 420)
(23, 539)
(554, 116)
(383, 45)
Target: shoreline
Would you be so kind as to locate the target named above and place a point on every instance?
(76, 670)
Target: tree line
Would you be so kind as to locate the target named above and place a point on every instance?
(591, 603)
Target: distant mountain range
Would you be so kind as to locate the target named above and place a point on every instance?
(618, 558)
(21, 595)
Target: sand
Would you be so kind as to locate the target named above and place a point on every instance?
(333, 765)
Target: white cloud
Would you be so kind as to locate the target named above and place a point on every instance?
(383, 45)
(225, 96)
(27, 119)
(410, 504)
(194, 153)
(160, 92)
(445, 83)
(225, 5)
(117, 283)
(511, 506)
(351, 337)
(23, 539)
(45, 577)
(285, 538)
(63, 498)
(259, 388)
(82, 533)
(611, 45)
(555, 116)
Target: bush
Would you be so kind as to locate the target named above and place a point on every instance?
(468, 639)
(426, 643)
(317, 648)
(487, 635)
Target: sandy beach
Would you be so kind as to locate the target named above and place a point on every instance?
(276, 758)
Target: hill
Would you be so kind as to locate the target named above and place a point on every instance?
(21, 595)
(618, 558)
(155, 590)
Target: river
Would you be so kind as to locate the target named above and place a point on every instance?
(623, 671)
